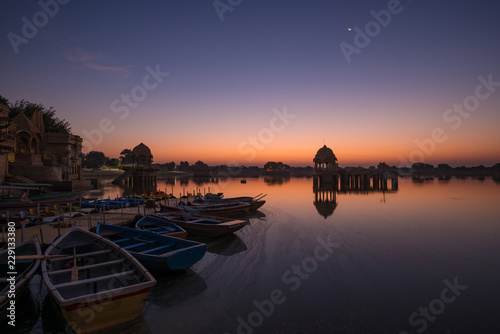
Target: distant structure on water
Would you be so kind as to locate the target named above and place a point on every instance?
(141, 175)
(327, 174)
(329, 179)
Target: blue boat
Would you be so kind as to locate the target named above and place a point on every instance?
(202, 226)
(160, 226)
(108, 204)
(154, 251)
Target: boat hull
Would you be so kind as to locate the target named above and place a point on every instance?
(155, 251)
(110, 287)
(204, 226)
(209, 231)
(101, 312)
(170, 230)
(221, 210)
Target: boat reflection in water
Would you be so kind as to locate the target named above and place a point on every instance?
(227, 245)
(175, 288)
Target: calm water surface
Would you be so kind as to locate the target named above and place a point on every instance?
(424, 259)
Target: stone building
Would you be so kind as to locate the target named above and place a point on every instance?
(7, 141)
(38, 156)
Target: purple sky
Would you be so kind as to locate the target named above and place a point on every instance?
(273, 80)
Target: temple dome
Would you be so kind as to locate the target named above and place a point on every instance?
(325, 155)
(325, 208)
(141, 155)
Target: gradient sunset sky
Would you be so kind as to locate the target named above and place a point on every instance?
(253, 81)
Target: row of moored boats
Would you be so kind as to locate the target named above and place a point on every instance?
(109, 270)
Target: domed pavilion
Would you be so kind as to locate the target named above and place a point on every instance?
(142, 176)
(141, 156)
(327, 175)
(325, 159)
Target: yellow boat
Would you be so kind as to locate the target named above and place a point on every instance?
(94, 284)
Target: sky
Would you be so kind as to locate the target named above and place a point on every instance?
(243, 82)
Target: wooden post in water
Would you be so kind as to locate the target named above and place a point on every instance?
(70, 214)
(38, 212)
(58, 226)
(100, 212)
(62, 213)
(80, 209)
(41, 234)
(22, 231)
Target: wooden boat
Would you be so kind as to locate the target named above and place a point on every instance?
(95, 284)
(154, 251)
(160, 226)
(203, 226)
(25, 268)
(212, 209)
(210, 195)
(255, 202)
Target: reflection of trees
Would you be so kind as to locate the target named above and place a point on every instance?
(276, 179)
(444, 178)
(422, 178)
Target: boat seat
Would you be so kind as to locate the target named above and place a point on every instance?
(135, 245)
(92, 266)
(156, 249)
(70, 257)
(92, 280)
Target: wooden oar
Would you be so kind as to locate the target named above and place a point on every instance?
(74, 270)
(257, 196)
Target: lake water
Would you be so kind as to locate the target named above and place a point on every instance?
(424, 259)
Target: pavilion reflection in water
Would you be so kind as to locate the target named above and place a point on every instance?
(329, 179)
